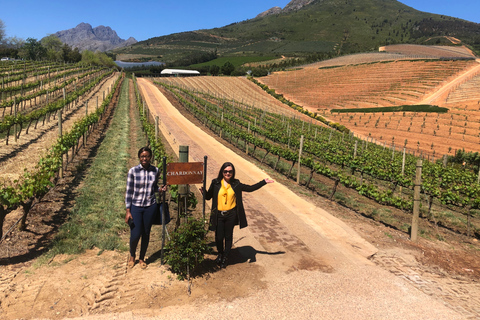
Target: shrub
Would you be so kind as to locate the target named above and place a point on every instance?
(187, 248)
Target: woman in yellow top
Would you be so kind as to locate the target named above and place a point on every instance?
(227, 208)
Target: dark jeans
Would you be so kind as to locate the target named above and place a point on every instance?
(142, 224)
(224, 232)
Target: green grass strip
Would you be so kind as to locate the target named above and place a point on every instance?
(98, 215)
(404, 108)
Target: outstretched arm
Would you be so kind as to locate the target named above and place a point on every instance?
(256, 186)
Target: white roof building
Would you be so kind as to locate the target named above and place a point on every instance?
(179, 72)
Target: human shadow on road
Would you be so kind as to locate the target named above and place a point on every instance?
(247, 254)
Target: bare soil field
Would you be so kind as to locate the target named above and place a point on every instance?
(449, 84)
(429, 51)
(442, 133)
(361, 58)
(378, 84)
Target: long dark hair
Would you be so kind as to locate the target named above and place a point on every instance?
(220, 173)
(143, 150)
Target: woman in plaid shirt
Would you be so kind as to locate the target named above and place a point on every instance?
(142, 186)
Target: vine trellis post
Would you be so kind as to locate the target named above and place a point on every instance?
(60, 172)
(299, 159)
(416, 201)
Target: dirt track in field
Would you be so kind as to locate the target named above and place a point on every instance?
(295, 260)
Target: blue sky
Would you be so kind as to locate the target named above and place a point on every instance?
(146, 19)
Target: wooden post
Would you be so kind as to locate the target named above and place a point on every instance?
(183, 189)
(15, 116)
(162, 203)
(60, 172)
(416, 201)
(299, 159)
(221, 121)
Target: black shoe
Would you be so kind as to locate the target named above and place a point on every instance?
(219, 259)
(224, 263)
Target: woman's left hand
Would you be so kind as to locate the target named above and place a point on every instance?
(163, 188)
(267, 180)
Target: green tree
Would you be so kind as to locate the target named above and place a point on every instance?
(69, 55)
(2, 32)
(14, 43)
(105, 60)
(228, 68)
(97, 58)
(10, 47)
(214, 70)
(53, 46)
(33, 50)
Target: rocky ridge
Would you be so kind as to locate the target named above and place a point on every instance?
(291, 6)
(100, 38)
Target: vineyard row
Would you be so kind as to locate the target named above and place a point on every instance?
(34, 185)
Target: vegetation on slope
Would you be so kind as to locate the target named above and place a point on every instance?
(329, 26)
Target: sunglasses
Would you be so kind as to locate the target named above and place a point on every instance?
(227, 171)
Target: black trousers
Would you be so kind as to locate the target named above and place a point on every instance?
(224, 232)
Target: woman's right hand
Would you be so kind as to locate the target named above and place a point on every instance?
(128, 216)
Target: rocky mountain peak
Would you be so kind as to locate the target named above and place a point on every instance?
(270, 11)
(100, 38)
(291, 6)
(296, 5)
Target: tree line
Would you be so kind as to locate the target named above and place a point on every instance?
(49, 48)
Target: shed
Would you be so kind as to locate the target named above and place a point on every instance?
(179, 72)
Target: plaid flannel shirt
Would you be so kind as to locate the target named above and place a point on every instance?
(142, 186)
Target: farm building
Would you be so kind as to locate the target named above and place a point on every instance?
(179, 72)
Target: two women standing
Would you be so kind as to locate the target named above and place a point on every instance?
(141, 206)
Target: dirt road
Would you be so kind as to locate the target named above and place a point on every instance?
(314, 264)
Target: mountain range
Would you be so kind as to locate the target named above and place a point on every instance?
(100, 38)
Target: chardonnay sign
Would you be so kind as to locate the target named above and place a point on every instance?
(184, 173)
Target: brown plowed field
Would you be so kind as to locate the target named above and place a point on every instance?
(430, 51)
(450, 84)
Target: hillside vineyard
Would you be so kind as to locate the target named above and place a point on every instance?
(386, 84)
(385, 174)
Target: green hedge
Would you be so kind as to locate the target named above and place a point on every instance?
(404, 108)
